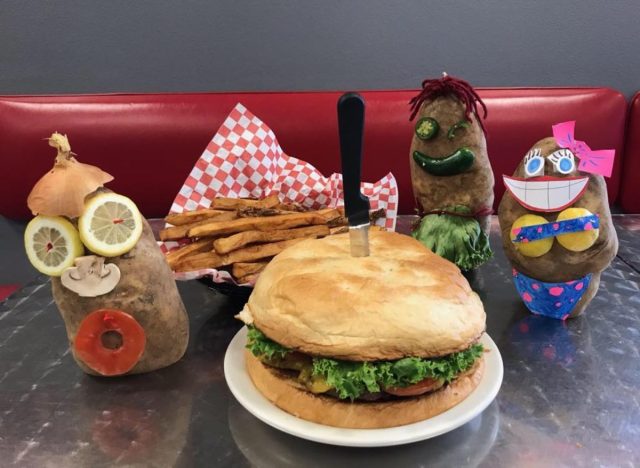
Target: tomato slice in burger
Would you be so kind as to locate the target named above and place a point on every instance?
(424, 386)
(110, 341)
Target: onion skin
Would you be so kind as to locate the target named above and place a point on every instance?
(62, 190)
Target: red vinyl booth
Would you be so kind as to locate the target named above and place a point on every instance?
(150, 142)
(630, 185)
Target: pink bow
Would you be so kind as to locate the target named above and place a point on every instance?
(594, 162)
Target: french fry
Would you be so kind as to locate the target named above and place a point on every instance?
(215, 228)
(238, 203)
(339, 221)
(257, 212)
(258, 252)
(227, 244)
(244, 234)
(180, 232)
(175, 256)
(291, 207)
(198, 261)
(339, 230)
(188, 217)
(241, 269)
(248, 254)
(332, 215)
(248, 279)
(226, 216)
(176, 232)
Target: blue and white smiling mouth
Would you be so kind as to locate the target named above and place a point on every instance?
(546, 193)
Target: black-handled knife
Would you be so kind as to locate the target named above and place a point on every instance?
(356, 205)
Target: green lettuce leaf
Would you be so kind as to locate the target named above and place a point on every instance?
(352, 379)
(459, 239)
(261, 346)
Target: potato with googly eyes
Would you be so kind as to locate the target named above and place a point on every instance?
(556, 230)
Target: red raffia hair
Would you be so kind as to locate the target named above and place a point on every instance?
(449, 85)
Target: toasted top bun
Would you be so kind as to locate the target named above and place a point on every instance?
(402, 300)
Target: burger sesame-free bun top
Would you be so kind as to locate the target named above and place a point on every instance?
(402, 300)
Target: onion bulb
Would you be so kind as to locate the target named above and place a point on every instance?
(62, 190)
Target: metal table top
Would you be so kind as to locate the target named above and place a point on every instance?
(570, 397)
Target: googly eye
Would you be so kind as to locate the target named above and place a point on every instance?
(563, 160)
(534, 163)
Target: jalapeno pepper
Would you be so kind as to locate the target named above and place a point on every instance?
(451, 134)
(427, 128)
(456, 163)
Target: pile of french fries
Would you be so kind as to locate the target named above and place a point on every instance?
(242, 235)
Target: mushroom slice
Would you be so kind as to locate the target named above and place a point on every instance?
(90, 277)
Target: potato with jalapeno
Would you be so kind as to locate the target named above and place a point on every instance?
(451, 173)
(556, 224)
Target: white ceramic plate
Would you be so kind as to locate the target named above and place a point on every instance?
(246, 393)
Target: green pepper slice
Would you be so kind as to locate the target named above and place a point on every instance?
(456, 163)
(427, 128)
(451, 134)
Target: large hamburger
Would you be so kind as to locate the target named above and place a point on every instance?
(367, 342)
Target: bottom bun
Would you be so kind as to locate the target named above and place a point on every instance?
(286, 394)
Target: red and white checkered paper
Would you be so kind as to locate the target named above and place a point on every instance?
(244, 160)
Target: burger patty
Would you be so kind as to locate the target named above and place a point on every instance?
(364, 381)
(293, 366)
(292, 375)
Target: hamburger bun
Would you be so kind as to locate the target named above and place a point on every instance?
(402, 300)
(286, 393)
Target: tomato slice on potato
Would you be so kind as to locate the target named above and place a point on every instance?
(424, 386)
(110, 341)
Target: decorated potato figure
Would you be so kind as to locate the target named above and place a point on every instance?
(556, 224)
(116, 294)
(450, 172)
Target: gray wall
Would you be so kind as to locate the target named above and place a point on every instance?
(83, 46)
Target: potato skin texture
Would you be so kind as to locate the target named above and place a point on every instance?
(560, 264)
(146, 291)
(472, 188)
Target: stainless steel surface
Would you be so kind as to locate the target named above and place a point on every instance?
(570, 397)
(359, 240)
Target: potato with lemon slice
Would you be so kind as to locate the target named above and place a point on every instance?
(52, 244)
(110, 225)
(147, 293)
(137, 323)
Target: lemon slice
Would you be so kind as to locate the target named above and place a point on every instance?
(111, 224)
(52, 244)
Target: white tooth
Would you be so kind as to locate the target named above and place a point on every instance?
(518, 184)
(538, 195)
(536, 185)
(576, 186)
(559, 194)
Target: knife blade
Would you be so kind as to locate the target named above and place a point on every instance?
(356, 205)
